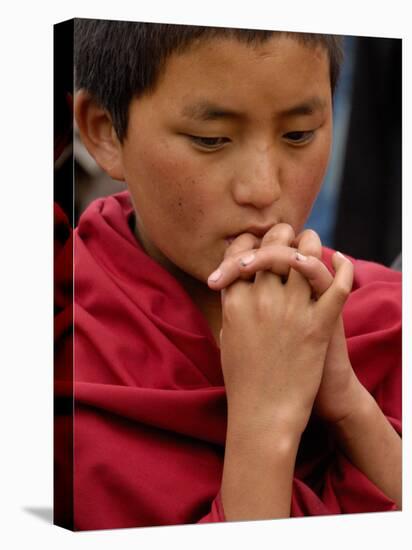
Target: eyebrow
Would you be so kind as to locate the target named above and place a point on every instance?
(308, 107)
(206, 111)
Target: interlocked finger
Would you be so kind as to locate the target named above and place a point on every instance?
(309, 244)
(314, 271)
(334, 298)
(228, 271)
(245, 241)
(280, 234)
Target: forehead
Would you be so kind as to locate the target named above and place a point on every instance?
(225, 69)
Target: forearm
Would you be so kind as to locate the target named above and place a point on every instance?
(257, 473)
(373, 446)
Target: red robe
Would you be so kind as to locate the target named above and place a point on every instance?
(150, 406)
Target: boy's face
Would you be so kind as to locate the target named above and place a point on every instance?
(234, 138)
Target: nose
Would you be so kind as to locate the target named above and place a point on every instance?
(257, 179)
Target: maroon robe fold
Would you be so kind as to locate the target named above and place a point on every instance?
(150, 406)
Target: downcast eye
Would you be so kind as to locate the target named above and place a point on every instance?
(299, 137)
(209, 142)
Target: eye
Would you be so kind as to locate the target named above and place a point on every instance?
(300, 137)
(209, 143)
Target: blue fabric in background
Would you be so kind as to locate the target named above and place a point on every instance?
(323, 216)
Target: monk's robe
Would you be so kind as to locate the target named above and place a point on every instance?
(150, 404)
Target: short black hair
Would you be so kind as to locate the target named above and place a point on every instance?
(116, 61)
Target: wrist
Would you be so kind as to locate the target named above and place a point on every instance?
(257, 474)
(343, 402)
(361, 412)
(263, 429)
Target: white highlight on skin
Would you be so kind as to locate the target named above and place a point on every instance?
(215, 276)
(300, 257)
(247, 260)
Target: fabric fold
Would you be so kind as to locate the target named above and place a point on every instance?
(150, 405)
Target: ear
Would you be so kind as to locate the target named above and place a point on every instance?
(98, 134)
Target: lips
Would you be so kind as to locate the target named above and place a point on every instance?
(257, 231)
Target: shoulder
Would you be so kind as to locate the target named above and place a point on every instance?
(106, 214)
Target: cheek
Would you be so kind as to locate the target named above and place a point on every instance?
(169, 189)
(305, 183)
(152, 177)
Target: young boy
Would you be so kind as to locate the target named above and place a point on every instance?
(212, 377)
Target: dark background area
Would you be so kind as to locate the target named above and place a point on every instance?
(368, 219)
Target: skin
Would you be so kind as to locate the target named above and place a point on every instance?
(339, 390)
(199, 177)
(360, 427)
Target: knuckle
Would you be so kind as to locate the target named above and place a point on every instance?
(310, 235)
(264, 306)
(273, 254)
(245, 241)
(234, 301)
(281, 233)
(342, 290)
(310, 246)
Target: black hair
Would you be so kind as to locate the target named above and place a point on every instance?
(116, 61)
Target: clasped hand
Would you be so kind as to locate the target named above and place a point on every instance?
(283, 347)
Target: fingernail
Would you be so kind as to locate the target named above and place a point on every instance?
(215, 276)
(301, 257)
(247, 259)
(340, 254)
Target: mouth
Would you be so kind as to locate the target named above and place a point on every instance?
(257, 231)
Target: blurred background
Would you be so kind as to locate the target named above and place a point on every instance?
(358, 210)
